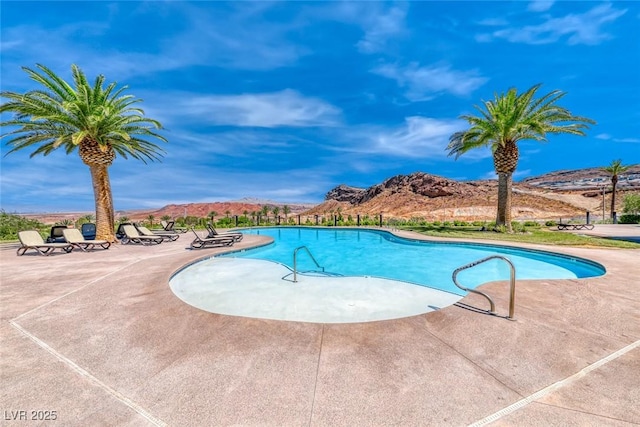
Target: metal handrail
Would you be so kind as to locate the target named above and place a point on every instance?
(295, 262)
(512, 295)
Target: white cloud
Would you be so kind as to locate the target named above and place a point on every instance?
(581, 28)
(269, 110)
(420, 137)
(540, 5)
(381, 27)
(417, 137)
(425, 82)
(607, 137)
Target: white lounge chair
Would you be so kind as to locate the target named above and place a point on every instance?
(31, 239)
(144, 231)
(210, 242)
(75, 237)
(131, 235)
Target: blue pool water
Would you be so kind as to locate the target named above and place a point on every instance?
(356, 252)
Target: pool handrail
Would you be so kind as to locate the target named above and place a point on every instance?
(295, 266)
(512, 280)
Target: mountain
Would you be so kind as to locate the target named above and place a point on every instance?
(431, 197)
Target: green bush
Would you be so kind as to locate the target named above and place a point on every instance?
(629, 219)
(551, 223)
(631, 203)
(10, 224)
(531, 224)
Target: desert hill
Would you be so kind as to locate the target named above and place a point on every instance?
(563, 194)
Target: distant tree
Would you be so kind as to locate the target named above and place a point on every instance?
(165, 218)
(286, 210)
(227, 213)
(614, 170)
(86, 218)
(265, 213)
(213, 215)
(100, 122)
(150, 218)
(124, 219)
(505, 121)
(275, 211)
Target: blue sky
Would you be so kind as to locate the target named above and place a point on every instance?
(286, 100)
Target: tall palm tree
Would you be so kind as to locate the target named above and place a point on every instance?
(150, 218)
(99, 121)
(504, 121)
(614, 169)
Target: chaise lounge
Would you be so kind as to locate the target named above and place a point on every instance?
(75, 238)
(565, 226)
(31, 239)
(131, 235)
(237, 236)
(144, 231)
(211, 242)
(170, 227)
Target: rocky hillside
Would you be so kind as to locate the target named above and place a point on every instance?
(584, 179)
(436, 198)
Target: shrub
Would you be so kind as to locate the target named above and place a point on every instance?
(629, 219)
(551, 223)
(631, 204)
(10, 224)
(531, 224)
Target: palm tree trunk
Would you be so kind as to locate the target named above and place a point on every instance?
(614, 184)
(105, 224)
(505, 181)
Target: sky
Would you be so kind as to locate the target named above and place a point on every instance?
(286, 100)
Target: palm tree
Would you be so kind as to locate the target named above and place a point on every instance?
(286, 210)
(504, 121)
(99, 121)
(614, 169)
(276, 212)
(265, 213)
(150, 218)
(213, 215)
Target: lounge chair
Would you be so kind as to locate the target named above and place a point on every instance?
(237, 236)
(75, 237)
(131, 235)
(211, 242)
(31, 239)
(566, 226)
(120, 231)
(144, 231)
(55, 236)
(170, 227)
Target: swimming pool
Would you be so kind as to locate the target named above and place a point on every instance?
(377, 253)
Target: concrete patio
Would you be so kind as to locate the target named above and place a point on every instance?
(100, 339)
